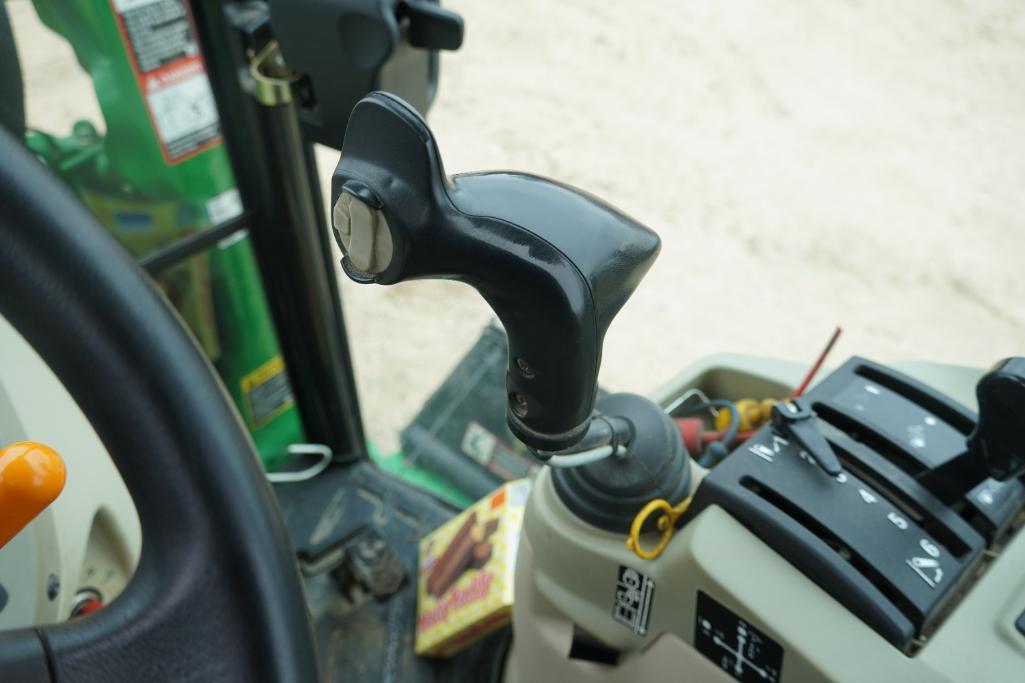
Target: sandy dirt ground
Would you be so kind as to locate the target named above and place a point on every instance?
(806, 164)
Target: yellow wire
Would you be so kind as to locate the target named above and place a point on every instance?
(666, 524)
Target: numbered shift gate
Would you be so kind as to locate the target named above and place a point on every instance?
(873, 536)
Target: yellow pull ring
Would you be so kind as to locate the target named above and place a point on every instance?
(666, 524)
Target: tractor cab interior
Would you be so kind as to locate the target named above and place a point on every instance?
(186, 486)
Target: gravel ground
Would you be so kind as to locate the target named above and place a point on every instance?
(806, 164)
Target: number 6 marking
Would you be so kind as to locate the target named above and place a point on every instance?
(900, 523)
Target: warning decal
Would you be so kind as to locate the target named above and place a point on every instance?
(165, 56)
(267, 392)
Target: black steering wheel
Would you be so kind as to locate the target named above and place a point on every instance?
(216, 595)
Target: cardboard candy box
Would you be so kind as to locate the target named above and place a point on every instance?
(465, 583)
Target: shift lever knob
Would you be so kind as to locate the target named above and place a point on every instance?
(556, 264)
(998, 442)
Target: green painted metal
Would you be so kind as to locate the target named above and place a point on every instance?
(397, 464)
(149, 197)
(249, 349)
(133, 153)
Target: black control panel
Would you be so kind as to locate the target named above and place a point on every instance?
(882, 534)
(922, 437)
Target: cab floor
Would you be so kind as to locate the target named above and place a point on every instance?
(362, 636)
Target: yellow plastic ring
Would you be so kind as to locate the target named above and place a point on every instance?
(665, 523)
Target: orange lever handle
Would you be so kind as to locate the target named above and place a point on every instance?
(31, 477)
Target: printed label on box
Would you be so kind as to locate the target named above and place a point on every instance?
(467, 566)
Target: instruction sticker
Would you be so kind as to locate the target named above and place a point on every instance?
(267, 392)
(223, 207)
(164, 52)
(634, 592)
(737, 647)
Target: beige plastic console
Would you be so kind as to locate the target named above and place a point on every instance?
(89, 538)
(567, 573)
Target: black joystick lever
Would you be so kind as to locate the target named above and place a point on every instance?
(996, 448)
(556, 264)
(998, 443)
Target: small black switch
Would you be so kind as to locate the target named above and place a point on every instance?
(997, 503)
(795, 419)
(433, 27)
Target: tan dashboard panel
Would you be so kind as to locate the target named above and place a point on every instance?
(567, 573)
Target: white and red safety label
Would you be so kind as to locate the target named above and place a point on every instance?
(164, 51)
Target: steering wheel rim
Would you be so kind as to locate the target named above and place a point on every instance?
(217, 594)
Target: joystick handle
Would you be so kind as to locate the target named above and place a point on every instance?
(555, 263)
(998, 442)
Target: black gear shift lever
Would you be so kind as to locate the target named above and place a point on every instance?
(556, 264)
(996, 447)
(998, 442)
